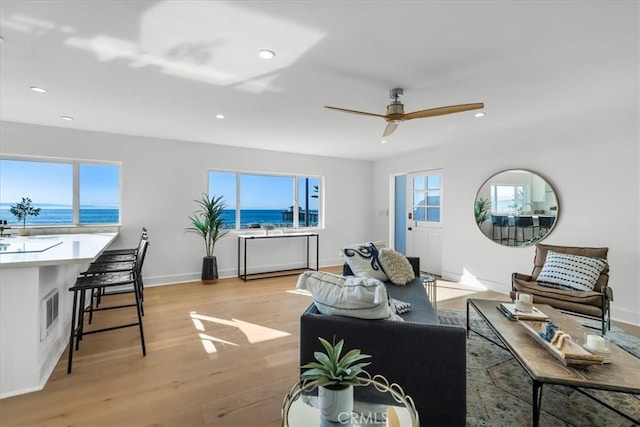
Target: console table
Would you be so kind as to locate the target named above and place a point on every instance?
(242, 254)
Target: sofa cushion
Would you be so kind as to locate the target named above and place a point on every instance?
(360, 297)
(396, 266)
(363, 261)
(572, 272)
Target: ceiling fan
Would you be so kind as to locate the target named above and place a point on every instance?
(395, 111)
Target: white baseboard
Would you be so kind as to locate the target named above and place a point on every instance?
(228, 273)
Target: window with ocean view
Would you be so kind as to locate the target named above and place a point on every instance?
(253, 200)
(50, 185)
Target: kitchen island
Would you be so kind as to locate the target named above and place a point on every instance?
(35, 305)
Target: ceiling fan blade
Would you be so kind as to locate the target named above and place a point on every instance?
(362, 113)
(441, 111)
(392, 125)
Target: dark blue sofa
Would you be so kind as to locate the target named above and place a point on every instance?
(426, 359)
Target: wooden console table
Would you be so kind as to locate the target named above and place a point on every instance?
(242, 255)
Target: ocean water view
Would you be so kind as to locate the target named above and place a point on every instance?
(49, 216)
(255, 217)
(248, 217)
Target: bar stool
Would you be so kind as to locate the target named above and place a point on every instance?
(498, 223)
(546, 222)
(128, 254)
(97, 284)
(523, 223)
(116, 266)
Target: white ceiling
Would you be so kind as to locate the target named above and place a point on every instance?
(166, 68)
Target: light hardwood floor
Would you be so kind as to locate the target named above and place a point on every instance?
(217, 355)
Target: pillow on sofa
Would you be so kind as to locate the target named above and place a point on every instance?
(360, 297)
(396, 266)
(363, 261)
(570, 272)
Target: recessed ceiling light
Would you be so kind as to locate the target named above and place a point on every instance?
(266, 54)
(69, 118)
(37, 89)
(384, 141)
(478, 114)
(219, 116)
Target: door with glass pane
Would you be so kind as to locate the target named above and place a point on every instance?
(424, 219)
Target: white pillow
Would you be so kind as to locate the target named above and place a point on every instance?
(360, 297)
(363, 261)
(396, 266)
(571, 272)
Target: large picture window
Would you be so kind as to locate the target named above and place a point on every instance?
(67, 192)
(254, 200)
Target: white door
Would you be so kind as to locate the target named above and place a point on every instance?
(424, 219)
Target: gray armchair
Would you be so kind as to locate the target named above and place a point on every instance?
(594, 303)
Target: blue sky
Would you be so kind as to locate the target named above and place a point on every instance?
(52, 183)
(257, 191)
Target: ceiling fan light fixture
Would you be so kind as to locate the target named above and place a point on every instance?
(480, 114)
(38, 89)
(219, 116)
(266, 54)
(67, 118)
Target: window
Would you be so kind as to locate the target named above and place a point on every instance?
(253, 200)
(99, 194)
(67, 192)
(507, 198)
(426, 198)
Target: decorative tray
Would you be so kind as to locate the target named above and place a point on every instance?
(571, 353)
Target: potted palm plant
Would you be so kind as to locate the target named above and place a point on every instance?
(21, 211)
(207, 223)
(481, 210)
(335, 377)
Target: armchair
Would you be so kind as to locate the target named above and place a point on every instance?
(595, 304)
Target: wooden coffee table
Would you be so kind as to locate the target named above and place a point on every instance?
(622, 375)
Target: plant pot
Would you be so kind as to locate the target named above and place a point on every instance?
(24, 232)
(209, 270)
(336, 404)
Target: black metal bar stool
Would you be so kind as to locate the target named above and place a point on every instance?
(97, 268)
(524, 223)
(97, 284)
(498, 223)
(117, 255)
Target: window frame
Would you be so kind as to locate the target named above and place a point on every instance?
(75, 166)
(295, 195)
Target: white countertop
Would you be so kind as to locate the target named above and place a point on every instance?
(62, 249)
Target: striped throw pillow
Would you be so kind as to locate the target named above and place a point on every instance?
(570, 272)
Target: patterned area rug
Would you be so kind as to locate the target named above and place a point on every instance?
(499, 392)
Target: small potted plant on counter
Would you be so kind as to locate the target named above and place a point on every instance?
(208, 223)
(21, 211)
(335, 377)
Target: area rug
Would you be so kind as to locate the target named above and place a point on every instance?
(499, 392)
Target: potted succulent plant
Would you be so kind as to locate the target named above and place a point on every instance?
(335, 377)
(207, 223)
(21, 211)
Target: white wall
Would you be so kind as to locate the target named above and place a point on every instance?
(161, 178)
(593, 166)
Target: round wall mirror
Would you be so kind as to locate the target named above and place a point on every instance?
(516, 208)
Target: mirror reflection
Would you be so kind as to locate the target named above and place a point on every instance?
(516, 208)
